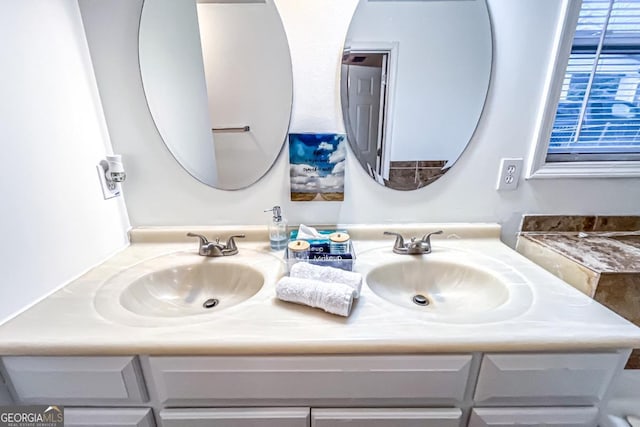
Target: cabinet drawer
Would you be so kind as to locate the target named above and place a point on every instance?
(76, 380)
(108, 417)
(533, 417)
(395, 417)
(239, 417)
(544, 379)
(310, 380)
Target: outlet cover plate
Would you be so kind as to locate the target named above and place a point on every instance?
(509, 174)
(108, 191)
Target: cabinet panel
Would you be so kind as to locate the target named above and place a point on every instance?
(76, 380)
(544, 379)
(394, 417)
(108, 417)
(310, 380)
(238, 417)
(533, 417)
(5, 397)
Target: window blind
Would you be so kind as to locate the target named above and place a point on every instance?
(598, 115)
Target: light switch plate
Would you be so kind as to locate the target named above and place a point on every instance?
(509, 174)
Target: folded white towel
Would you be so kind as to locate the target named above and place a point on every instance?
(305, 270)
(333, 298)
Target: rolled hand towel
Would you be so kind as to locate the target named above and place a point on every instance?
(304, 270)
(333, 298)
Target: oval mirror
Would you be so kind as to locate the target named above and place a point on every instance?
(218, 81)
(414, 80)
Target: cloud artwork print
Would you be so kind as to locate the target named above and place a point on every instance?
(317, 163)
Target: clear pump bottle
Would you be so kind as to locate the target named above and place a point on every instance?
(278, 236)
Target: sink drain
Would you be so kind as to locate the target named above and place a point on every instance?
(210, 303)
(420, 300)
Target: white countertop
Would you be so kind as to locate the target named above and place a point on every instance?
(557, 317)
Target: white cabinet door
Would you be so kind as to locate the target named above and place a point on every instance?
(235, 417)
(561, 379)
(395, 417)
(108, 417)
(5, 397)
(76, 380)
(327, 381)
(533, 417)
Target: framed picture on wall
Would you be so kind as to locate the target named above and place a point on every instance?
(316, 166)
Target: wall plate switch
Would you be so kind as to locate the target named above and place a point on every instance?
(109, 189)
(509, 174)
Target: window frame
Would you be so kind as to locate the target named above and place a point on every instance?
(537, 165)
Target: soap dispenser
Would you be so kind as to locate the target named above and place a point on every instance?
(278, 236)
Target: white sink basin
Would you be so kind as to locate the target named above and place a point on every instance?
(184, 287)
(438, 286)
(192, 289)
(448, 286)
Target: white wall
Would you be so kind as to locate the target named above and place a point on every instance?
(159, 192)
(54, 223)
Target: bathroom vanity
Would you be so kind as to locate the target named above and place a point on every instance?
(503, 342)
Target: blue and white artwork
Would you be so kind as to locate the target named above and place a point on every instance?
(317, 166)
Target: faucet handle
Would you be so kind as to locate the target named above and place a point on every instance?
(231, 243)
(205, 247)
(426, 239)
(399, 239)
(203, 240)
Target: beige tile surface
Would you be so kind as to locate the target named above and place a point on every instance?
(600, 254)
(576, 223)
(602, 264)
(560, 223)
(561, 266)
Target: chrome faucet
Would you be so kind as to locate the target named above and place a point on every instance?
(216, 249)
(415, 246)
